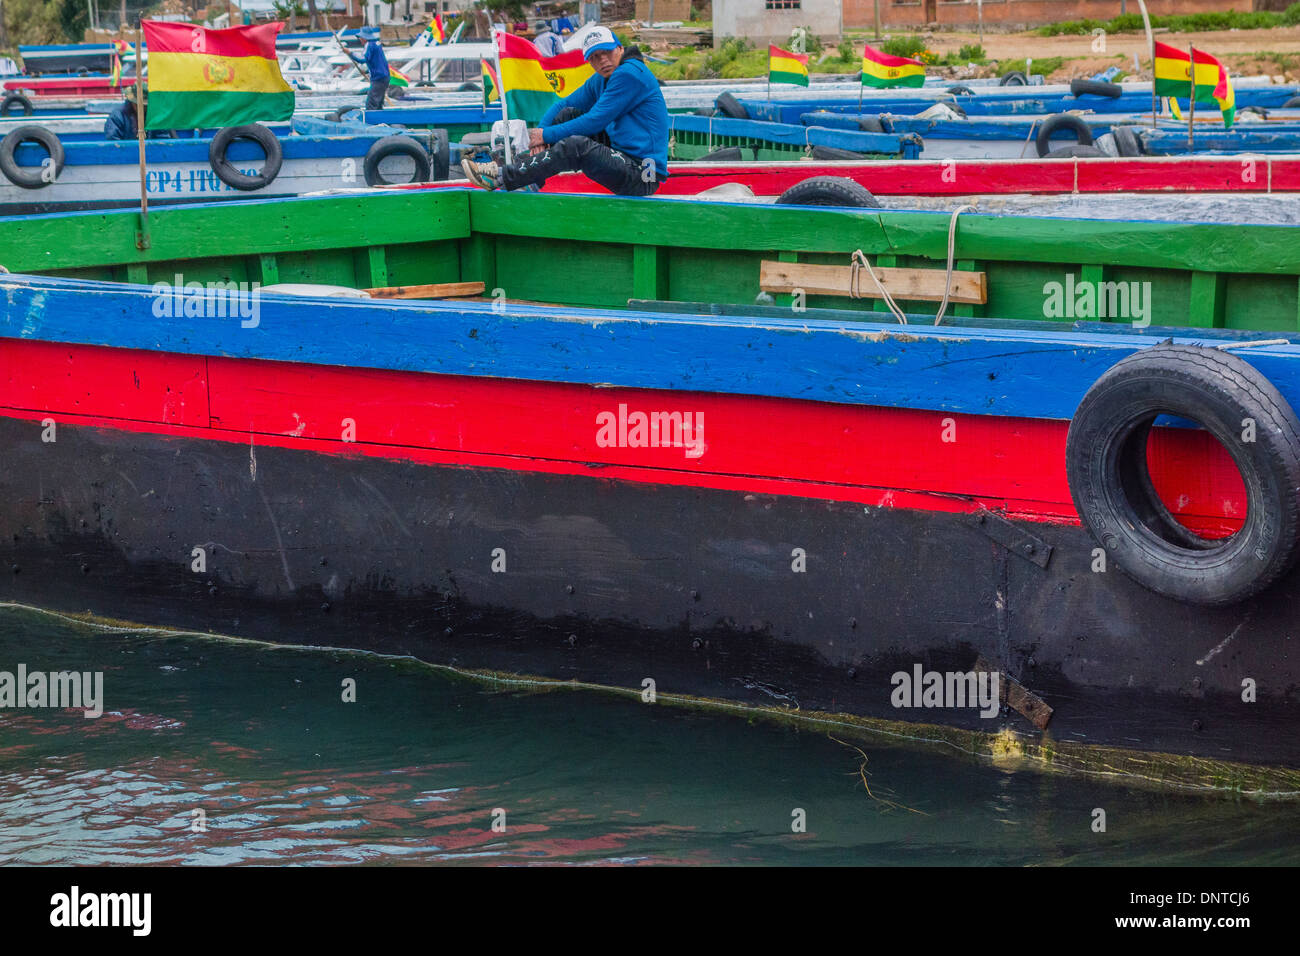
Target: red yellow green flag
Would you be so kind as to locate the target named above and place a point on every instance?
(1173, 78)
(882, 70)
(204, 78)
(437, 34)
(533, 82)
(397, 78)
(1173, 74)
(786, 67)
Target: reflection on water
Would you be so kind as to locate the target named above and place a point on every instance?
(260, 741)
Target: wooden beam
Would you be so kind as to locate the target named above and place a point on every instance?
(438, 290)
(649, 272)
(914, 285)
(1206, 300)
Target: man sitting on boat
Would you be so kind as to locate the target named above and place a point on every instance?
(121, 122)
(614, 128)
(376, 64)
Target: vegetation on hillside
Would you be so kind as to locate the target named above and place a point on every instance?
(1181, 23)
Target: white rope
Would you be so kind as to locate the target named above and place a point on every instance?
(952, 248)
(859, 260)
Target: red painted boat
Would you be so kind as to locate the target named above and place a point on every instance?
(67, 86)
(1151, 174)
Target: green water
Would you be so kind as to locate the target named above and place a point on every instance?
(260, 739)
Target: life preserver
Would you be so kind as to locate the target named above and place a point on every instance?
(1106, 462)
(397, 145)
(232, 177)
(828, 191)
(31, 177)
(1062, 121)
(12, 100)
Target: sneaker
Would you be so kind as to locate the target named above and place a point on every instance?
(483, 175)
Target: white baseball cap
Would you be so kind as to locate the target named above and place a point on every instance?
(600, 38)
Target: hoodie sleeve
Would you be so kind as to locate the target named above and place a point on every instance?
(620, 95)
(581, 99)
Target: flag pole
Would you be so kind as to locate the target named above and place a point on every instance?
(1191, 112)
(1151, 48)
(142, 236)
(501, 80)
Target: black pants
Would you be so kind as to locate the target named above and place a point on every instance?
(619, 173)
(378, 90)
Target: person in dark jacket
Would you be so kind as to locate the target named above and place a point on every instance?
(121, 121)
(376, 64)
(614, 129)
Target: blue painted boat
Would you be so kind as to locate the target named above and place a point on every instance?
(695, 137)
(1001, 137)
(97, 174)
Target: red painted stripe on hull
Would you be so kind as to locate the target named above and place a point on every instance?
(871, 455)
(1258, 174)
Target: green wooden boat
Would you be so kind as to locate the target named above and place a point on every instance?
(605, 251)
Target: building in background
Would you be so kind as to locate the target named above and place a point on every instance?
(772, 21)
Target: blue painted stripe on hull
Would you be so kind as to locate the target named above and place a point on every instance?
(1006, 372)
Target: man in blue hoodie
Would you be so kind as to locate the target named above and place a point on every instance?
(614, 128)
(376, 64)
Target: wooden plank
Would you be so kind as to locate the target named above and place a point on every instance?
(966, 310)
(438, 290)
(137, 273)
(1207, 299)
(914, 285)
(269, 266)
(649, 272)
(786, 300)
(378, 265)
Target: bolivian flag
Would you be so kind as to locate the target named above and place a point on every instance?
(532, 82)
(435, 30)
(204, 78)
(1173, 78)
(491, 85)
(397, 78)
(882, 70)
(786, 67)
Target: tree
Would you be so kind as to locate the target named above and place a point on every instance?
(74, 18)
(29, 22)
(311, 8)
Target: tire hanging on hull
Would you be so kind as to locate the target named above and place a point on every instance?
(1110, 480)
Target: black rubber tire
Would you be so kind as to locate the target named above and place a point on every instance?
(1106, 462)
(468, 87)
(728, 154)
(440, 154)
(728, 105)
(1292, 103)
(1066, 152)
(342, 111)
(1014, 78)
(397, 145)
(1126, 141)
(12, 100)
(1257, 110)
(705, 111)
(1095, 88)
(871, 124)
(232, 177)
(961, 91)
(30, 177)
(1062, 121)
(833, 153)
(828, 191)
